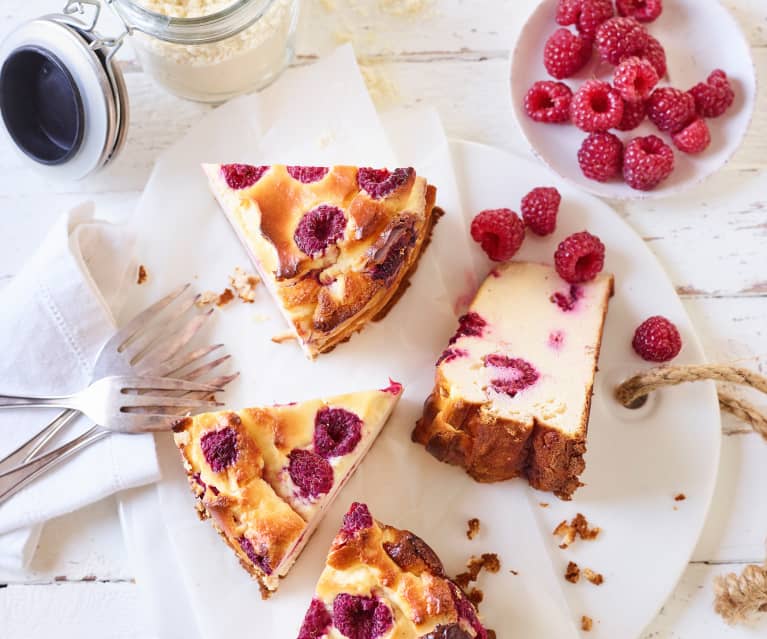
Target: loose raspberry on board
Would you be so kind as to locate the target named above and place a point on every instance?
(500, 232)
(657, 340)
(579, 257)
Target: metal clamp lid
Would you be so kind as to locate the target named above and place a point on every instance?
(63, 100)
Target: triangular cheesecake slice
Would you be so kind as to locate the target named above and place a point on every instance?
(265, 476)
(386, 583)
(513, 389)
(334, 245)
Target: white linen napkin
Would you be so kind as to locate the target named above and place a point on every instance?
(56, 314)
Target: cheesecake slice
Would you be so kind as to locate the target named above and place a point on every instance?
(513, 389)
(334, 245)
(383, 583)
(265, 476)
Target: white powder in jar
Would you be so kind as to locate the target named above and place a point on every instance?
(217, 71)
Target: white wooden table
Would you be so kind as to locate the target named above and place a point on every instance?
(713, 242)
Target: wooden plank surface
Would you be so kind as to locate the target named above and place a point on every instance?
(712, 242)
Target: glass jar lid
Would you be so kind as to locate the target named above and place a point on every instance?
(63, 100)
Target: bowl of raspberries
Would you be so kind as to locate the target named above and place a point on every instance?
(632, 99)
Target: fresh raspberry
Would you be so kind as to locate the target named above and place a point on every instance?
(619, 38)
(319, 228)
(655, 54)
(317, 621)
(307, 174)
(241, 176)
(714, 96)
(312, 474)
(540, 208)
(642, 10)
(565, 53)
(219, 447)
(579, 257)
(657, 340)
(647, 162)
(260, 559)
(694, 138)
(378, 183)
(568, 12)
(596, 106)
(358, 518)
(450, 354)
(586, 15)
(634, 114)
(670, 109)
(634, 79)
(336, 432)
(593, 13)
(512, 374)
(360, 617)
(470, 325)
(500, 232)
(548, 101)
(601, 156)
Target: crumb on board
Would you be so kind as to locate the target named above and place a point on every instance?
(543, 504)
(475, 596)
(406, 8)
(514, 572)
(326, 139)
(328, 5)
(680, 497)
(380, 86)
(244, 284)
(572, 573)
(586, 623)
(209, 298)
(141, 274)
(578, 527)
(594, 577)
(472, 529)
(487, 561)
(281, 338)
(491, 634)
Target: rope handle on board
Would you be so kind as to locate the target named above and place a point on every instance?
(737, 598)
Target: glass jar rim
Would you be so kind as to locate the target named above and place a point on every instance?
(214, 27)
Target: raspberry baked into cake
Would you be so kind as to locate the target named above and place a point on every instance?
(513, 389)
(334, 245)
(265, 476)
(381, 582)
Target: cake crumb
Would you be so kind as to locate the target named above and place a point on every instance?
(281, 338)
(328, 5)
(586, 623)
(141, 275)
(487, 561)
(326, 139)
(406, 8)
(209, 298)
(680, 497)
(473, 528)
(380, 86)
(594, 577)
(514, 572)
(491, 634)
(578, 527)
(475, 596)
(543, 504)
(573, 573)
(244, 284)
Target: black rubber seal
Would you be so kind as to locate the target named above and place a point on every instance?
(41, 105)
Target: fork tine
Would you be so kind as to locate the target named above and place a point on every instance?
(152, 335)
(206, 368)
(163, 384)
(172, 341)
(163, 401)
(172, 366)
(128, 332)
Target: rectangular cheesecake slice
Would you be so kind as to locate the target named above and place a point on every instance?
(513, 389)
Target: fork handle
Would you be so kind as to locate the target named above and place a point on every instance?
(14, 480)
(17, 401)
(35, 444)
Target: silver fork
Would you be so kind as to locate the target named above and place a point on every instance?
(115, 357)
(126, 404)
(14, 480)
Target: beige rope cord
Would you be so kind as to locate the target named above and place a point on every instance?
(737, 598)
